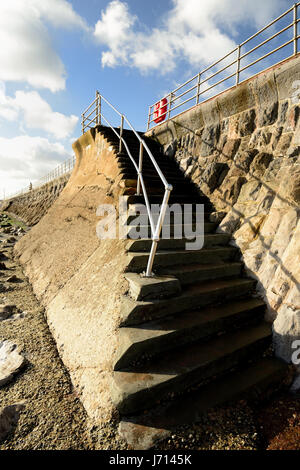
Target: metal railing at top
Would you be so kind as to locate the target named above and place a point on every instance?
(62, 169)
(193, 91)
(92, 117)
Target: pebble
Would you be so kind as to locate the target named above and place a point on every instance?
(9, 417)
(6, 311)
(11, 361)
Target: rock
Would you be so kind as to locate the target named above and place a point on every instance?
(170, 150)
(268, 115)
(231, 189)
(286, 329)
(260, 164)
(247, 123)
(13, 278)
(217, 217)
(6, 311)
(210, 138)
(9, 417)
(11, 240)
(293, 152)
(212, 173)
(11, 362)
(243, 160)
(231, 147)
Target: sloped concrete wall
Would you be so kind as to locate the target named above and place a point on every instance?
(34, 204)
(242, 150)
(77, 276)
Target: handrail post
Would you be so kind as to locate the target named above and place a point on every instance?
(295, 29)
(170, 104)
(82, 123)
(138, 189)
(99, 108)
(156, 235)
(149, 119)
(121, 133)
(238, 64)
(198, 88)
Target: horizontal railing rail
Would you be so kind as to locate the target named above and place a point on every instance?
(62, 169)
(200, 86)
(95, 118)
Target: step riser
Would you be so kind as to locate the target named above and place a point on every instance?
(149, 311)
(172, 230)
(226, 272)
(179, 217)
(174, 198)
(174, 244)
(172, 339)
(148, 397)
(139, 263)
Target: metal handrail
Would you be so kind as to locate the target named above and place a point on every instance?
(155, 228)
(62, 169)
(200, 81)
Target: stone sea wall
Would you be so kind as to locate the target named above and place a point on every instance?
(33, 205)
(242, 149)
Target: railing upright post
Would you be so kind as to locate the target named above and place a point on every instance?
(295, 29)
(82, 123)
(138, 188)
(121, 133)
(97, 108)
(156, 235)
(170, 105)
(238, 64)
(149, 119)
(198, 88)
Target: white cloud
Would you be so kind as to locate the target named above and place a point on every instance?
(199, 32)
(37, 113)
(59, 12)
(8, 108)
(26, 53)
(25, 159)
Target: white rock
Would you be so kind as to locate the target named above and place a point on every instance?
(10, 361)
(286, 330)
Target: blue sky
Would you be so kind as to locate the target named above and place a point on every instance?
(58, 52)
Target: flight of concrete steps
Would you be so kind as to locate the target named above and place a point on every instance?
(198, 342)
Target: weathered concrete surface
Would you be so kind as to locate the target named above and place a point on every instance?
(33, 205)
(143, 288)
(242, 149)
(79, 277)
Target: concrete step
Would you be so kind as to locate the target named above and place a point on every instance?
(157, 337)
(137, 262)
(210, 239)
(193, 296)
(126, 165)
(254, 382)
(187, 274)
(180, 369)
(183, 198)
(169, 232)
(170, 218)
